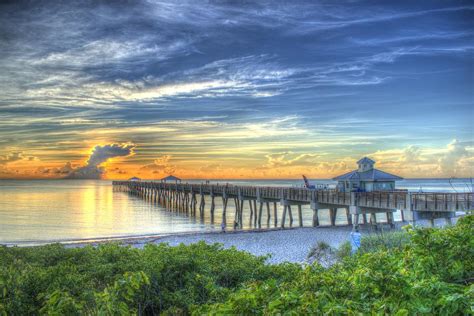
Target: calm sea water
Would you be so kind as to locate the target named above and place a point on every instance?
(41, 211)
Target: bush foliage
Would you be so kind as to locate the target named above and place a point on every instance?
(430, 273)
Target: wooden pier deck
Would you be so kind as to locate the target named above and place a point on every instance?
(190, 198)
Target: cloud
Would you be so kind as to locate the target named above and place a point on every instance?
(285, 159)
(161, 165)
(14, 157)
(254, 76)
(450, 162)
(455, 159)
(109, 51)
(412, 37)
(65, 170)
(100, 154)
(411, 154)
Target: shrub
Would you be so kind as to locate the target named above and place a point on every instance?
(322, 253)
(114, 278)
(344, 251)
(383, 240)
(429, 273)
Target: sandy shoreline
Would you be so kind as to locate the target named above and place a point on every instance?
(282, 245)
(288, 244)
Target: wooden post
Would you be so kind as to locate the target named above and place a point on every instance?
(241, 214)
(283, 216)
(213, 205)
(391, 220)
(178, 201)
(251, 211)
(237, 211)
(373, 220)
(255, 218)
(290, 213)
(349, 216)
(268, 213)
(202, 206)
(224, 210)
(300, 215)
(315, 217)
(332, 216)
(260, 215)
(188, 203)
(355, 224)
(275, 214)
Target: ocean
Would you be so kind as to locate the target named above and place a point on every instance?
(44, 211)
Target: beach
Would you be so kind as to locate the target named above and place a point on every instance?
(282, 245)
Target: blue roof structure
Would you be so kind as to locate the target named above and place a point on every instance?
(369, 175)
(171, 178)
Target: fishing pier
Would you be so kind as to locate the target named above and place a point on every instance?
(356, 207)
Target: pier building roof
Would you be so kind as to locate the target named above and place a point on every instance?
(367, 172)
(369, 175)
(170, 178)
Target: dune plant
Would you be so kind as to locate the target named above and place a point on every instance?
(431, 273)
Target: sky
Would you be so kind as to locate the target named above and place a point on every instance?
(235, 89)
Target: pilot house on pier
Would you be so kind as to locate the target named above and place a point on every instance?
(366, 178)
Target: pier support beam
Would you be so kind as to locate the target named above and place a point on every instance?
(268, 213)
(373, 220)
(275, 214)
(349, 217)
(252, 213)
(255, 211)
(224, 211)
(355, 212)
(290, 213)
(332, 215)
(202, 205)
(241, 214)
(315, 207)
(260, 209)
(213, 206)
(300, 215)
(283, 216)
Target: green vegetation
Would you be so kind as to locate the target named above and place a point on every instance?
(384, 240)
(430, 272)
